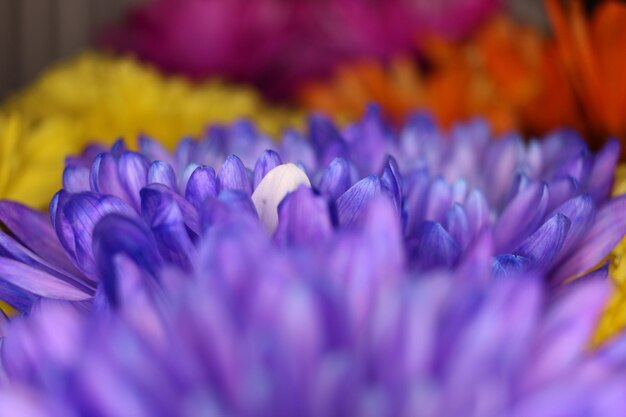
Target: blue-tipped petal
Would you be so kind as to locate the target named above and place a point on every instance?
(133, 170)
(154, 194)
(521, 216)
(509, 264)
(337, 179)
(201, 185)
(168, 227)
(350, 205)
(605, 233)
(303, 218)
(162, 173)
(114, 235)
(391, 181)
(543, 246)
(80, 213)
(76, 179)
(267, 161)
(436, 248)
(233, 176)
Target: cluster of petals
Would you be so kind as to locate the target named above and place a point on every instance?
(349, 271)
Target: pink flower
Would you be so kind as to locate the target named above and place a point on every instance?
(275, 44)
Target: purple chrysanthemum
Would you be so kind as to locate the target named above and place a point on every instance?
(256, 327)
(541, 207)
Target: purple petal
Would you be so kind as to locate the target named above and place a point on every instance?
(477, 209)
(509, 264)
(267, 161)
(581, 211)
(76, 179)
(35, 231)
(501, 161)
(114, 235)
(229, 206)
(520, 217)
(368, 142)
(336, 180)
(133, 174)
(38, 282)
(171, 235)
(458, 225)
(561, 190)
(326, 139)
(544, 245)
(233, 176)
(436, 248)
(350, 205)
(565, 333)
(605, 233)
(152, 150)
(162, 173)
(151, 197)
(438, 200)
(601, 177)
(391, 181)
(201, 185)
(80, 213)
(104, 176)
(294, 148)
(303, 218)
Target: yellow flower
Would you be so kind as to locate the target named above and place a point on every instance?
(613, 320)
(95, 97)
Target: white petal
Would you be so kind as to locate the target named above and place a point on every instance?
(276, 184)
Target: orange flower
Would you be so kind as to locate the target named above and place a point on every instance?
(593, 53)
(511, 74)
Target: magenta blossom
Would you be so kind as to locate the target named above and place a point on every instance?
(275, 44)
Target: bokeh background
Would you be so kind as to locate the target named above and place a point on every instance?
(35, 33)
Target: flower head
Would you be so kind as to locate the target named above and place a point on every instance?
(249, 41)
(327, 328)
(540, 208)
(99, 98)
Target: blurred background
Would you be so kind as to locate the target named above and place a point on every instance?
(35, 33)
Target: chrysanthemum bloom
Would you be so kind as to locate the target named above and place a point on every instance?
(541, 207)
(277, 44)
(310, 323)
(505, 72)
(95, 97)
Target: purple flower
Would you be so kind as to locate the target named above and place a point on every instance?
(541, 208)
(311, 322)
(277, 44)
